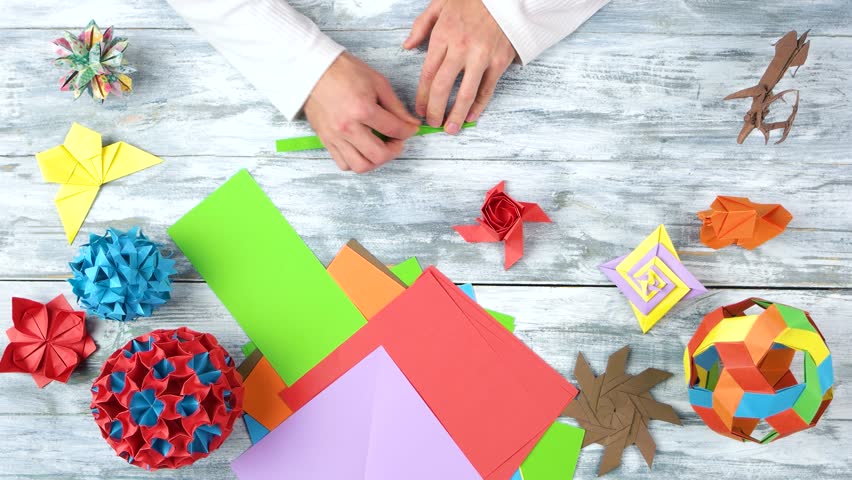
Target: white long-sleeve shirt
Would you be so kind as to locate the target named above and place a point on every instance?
(284, 54)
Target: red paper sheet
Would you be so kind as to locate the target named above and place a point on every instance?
(493, 394)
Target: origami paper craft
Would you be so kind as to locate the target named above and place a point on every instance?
(256, 431)
(264, 408)
(503, 220)
(738, 371)
(121, 276)
(737, 219)
(167, 398)
(789, 52)
(97, 63)
(261, 386)
(370, 285)
(615, 408)
(82, 166)
(299, 144)
(407, 271)
(367, 282)
(652, 278)
(254, 356)
(249, 348)
(370, 424)
(47, 341)
(493, 395)
(555, 456)
(266, 276)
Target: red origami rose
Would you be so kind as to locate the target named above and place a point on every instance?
(503, 220)
(48, 341)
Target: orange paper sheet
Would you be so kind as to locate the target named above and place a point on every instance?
(367, 282)
(261, 399)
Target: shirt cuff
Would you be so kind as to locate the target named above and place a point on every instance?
(534, 26)
(319, 56)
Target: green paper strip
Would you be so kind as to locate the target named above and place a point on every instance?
(270, 281)
(555, 455)
(313, 142)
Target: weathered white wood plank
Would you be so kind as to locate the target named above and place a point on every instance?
(61, 438)
(600, 210)
(594, 97)
(690, 17)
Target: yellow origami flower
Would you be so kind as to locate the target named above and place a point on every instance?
(81, 166)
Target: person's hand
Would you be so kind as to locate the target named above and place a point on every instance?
(349, 101)
(464, 38)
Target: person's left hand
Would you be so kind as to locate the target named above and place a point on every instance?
(464, 38)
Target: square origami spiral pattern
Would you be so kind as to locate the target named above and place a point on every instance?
(653, 278)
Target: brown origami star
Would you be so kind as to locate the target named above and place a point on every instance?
(615, 408)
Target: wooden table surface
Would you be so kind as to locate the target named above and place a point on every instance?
(615, 130)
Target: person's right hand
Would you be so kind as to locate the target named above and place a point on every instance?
(349, 101)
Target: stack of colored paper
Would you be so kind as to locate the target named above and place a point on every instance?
(384, 373)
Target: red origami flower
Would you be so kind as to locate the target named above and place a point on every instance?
(48, 341)
(503, 220)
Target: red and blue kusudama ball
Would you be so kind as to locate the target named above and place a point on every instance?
(167, 398)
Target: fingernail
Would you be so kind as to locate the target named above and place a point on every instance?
(420, 109)
(452, 128)
(433, 123)
(471, 116)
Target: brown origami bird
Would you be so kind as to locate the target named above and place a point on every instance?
(737, 219)
(615, 408)
(789, 52)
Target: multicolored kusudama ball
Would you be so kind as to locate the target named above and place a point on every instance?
(738, 370)
(167, 398)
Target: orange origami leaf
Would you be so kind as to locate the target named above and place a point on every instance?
(738, 220)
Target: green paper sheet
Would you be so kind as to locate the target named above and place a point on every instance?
(555, 455)
(313, 142)
(507, 321)
(407, 271)
(248, 349)
(266, 276)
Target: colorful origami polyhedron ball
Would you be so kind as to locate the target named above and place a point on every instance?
(653, 278)
(167, 398)
(121, 276)
(738, 370)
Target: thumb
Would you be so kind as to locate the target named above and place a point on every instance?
(387, 98)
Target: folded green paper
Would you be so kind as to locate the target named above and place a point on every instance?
(298, 144)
